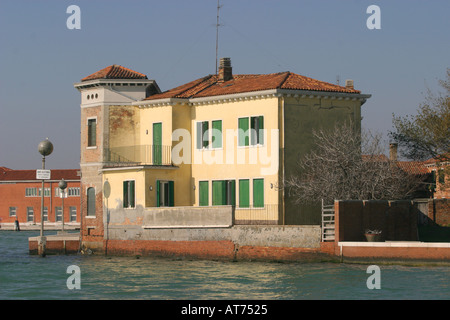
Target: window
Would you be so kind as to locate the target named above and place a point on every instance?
(92, 132)
(45, 214)
(30, 214)
(58, 214)
(12, 211)
(128, 194)
(91, 201)
(73, 214)
(254, 136)
(243, 132)
(165, 193)
(258, 193)
(223, 192)
(73, 191)
(244, 193)
(257, 132)
(46, 192)
(203, 193)
(202, 135)
(209, 138)
(441, 176)
(30, 192)
(217, 134)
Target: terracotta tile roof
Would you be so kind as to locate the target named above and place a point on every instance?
(413, 167)
(115, 72)
(438, 160)
(56, 174)
(210, 86)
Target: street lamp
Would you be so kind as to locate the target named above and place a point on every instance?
(62, 185)
(45, 148)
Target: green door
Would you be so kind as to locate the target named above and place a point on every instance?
(244, 193)
(203, 190)
(258, 193)
(219, 195)
(165, 193)
(157, 143)
(223, 192)
(231, 192)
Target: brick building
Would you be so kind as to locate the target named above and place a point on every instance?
(20, 199)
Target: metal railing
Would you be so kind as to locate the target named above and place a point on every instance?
(155, 155)
(267, 215)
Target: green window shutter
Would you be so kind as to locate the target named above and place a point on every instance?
(219, 193)
(157, 143)
(171, 194)
(203, 190)
(254, 130)
(244, 193)
(243, 132)
(125, 194)
(231, 192)
(131, 193)
(205, 134)
(157, 193)
(261, 130)
(199, 135)
(217, 134)
(258, 193)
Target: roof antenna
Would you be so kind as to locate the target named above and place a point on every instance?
(337, 79)
(217, 33)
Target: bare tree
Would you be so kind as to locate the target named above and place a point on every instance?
(426, 134)
(349, 165)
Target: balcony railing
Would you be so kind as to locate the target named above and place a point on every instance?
(155, 155)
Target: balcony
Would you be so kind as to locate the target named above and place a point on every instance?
(152, 155)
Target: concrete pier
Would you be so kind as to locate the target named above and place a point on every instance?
(61, 243)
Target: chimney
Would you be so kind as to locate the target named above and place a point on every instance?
(349, 84)
(225, 70)
(393, 151)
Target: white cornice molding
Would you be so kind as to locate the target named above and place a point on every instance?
(264, 94)
(112, 82)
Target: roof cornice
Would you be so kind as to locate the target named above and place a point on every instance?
(112, 82)
(253, 95)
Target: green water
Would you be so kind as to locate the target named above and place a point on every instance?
(32, 277)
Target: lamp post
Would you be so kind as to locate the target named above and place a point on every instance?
(62, 185)
(45, 148)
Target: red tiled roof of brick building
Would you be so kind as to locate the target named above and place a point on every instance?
(212, 86)
(115, 72)
(413, 167)
(20, 175)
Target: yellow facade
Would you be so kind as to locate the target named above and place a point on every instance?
(252, 172)
(227, 162)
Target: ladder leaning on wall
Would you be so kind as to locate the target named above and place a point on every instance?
(328, 225)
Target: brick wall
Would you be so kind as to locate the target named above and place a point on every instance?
(13, 195)
(439, 211)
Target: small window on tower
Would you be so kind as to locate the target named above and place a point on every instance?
(92, 132)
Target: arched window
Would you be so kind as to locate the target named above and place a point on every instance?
(91, 201)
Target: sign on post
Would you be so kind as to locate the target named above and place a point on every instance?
(42, 174)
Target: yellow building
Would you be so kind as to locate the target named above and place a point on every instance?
(221, 140)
